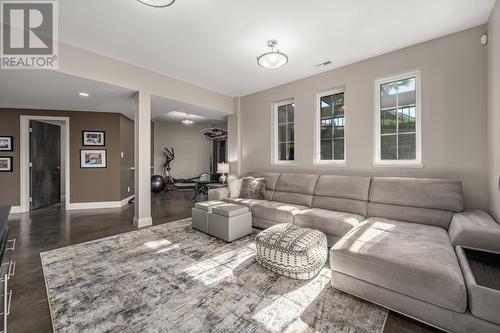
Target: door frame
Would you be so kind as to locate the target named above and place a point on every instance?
(24, 158)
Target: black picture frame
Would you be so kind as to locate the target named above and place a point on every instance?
(11, 142)
(85, 143)
(85, 165)
(8, 158)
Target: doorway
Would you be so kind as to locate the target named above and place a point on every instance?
(44, 160)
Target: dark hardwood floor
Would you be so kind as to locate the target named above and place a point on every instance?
(53, 227)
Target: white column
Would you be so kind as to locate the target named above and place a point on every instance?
(234, 138)
(142, 174)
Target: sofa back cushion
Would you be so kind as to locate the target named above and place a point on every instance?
(295, 188)
(419, 200)
(270, 178)
(342, 193)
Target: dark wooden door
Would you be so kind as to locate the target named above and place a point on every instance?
(45, 158)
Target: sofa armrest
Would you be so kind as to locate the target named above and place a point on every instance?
(218, 193)
(476, 229)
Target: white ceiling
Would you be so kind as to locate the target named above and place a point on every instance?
(214, 43)
(169, 110)
(50, 90)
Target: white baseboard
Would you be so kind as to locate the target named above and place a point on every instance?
(82, 205)
(125, 201)
(17, 209)
(98, 205)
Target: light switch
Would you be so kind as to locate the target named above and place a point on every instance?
(122, 154)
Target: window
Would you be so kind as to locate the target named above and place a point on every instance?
(284, 148)
(330, 128)
(397, 121)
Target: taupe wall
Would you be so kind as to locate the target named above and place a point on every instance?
(127, 161)
(191, 149)
(494, 110)
(86, 185)
(453, 79)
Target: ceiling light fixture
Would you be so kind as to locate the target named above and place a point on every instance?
(188, 122)
(157, 3)
(83, 94)
(273, 59)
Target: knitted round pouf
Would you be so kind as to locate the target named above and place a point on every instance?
(298, 253)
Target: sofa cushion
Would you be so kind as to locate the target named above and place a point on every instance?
(440, 194)
(297, 183)
(347, 187)
(328, 221)
(434, 217)
(276, 211)
(244, 202)
(412, 259)
(340, 204)
(293, 198)
(342, 193)
(295, 189)
(397, 198)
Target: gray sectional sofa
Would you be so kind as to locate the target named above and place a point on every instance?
(394, 241)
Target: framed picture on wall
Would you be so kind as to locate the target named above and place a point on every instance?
(6, 143)
(5, 164)
(93, 138)
(93, 158)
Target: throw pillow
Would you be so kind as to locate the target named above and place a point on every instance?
(252, 188)
(235, 188)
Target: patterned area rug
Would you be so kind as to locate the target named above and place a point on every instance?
(171, 278)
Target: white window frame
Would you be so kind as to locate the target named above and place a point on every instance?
(417, 162)
(274, 133)
(317, 131)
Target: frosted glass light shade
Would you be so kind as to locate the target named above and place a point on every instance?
(222, 168)
(272, 60)
(157, 3)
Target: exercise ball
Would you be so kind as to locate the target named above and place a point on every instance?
(157, 184)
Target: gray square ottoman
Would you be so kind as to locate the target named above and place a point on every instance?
(200, 212)
(230, 222)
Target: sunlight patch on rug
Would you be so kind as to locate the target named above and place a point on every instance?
(276, 315)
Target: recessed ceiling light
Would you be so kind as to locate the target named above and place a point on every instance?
(273, 59)
(83, 94)
(157, 3)
(188, 122)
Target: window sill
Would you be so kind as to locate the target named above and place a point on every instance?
(396, 164)
(330, 163)
(283, 163)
